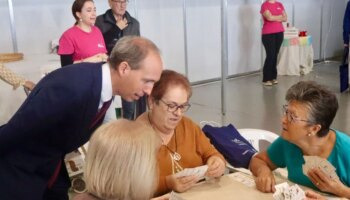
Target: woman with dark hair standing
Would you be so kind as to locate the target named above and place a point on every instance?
(273, 14)
(84, 41)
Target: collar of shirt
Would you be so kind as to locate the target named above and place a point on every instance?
(106, 92)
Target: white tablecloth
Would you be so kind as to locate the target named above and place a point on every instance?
(295, 56)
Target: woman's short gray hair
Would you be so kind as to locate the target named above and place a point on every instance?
(121, 161)
(133, 50)
(321, 103)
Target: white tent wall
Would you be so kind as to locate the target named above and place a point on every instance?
(332, 29)
(5, 28)
(198, 30)
(244, 36)
(162, 22)
(308, 16)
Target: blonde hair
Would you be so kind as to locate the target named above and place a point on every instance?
(121, 161)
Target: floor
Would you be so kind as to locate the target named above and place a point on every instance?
(252, 105)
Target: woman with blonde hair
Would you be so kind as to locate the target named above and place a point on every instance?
(121, 162)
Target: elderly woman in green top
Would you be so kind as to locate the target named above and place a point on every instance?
(306, 122)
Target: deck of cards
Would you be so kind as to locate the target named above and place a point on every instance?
(197, 171)
(286, 192)
(322, 163)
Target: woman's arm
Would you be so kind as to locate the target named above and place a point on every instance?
(100, 57)
(261, 166)
(284, 16)
(66, 60)
(277, 18)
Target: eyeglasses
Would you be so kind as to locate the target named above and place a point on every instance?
(120, 2)
(172, 107)
(290, 116)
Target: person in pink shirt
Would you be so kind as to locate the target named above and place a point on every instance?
(273, 14)
(84, 41)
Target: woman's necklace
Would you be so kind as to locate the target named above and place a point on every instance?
(176, 156)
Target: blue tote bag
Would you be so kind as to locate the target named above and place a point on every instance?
(234, 147)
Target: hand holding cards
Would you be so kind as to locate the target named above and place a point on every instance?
(197, 171)
(322, 163)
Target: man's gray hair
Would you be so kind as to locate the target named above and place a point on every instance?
(133, 50)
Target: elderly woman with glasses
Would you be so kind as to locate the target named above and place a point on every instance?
(306, 131)
(184, 145)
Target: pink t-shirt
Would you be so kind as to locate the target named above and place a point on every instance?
(81, 44)
(275, 9)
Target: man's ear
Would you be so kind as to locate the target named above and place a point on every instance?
(150, 102)
(124, 68)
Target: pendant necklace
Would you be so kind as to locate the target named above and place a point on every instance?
(176, 156)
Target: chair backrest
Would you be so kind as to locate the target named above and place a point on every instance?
(254, 136)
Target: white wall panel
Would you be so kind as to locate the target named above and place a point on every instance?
(5, 30)
(162, 22)
(308, 17)
(40, 21)
(332, 28)
(244, 36)
(204, 39)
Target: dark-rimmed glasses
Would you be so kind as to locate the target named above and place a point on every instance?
(172, 107)
(290, 116)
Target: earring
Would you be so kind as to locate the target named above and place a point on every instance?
(80, 19)
(309, 134)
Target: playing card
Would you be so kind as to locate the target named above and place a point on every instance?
(197, 171)
(243, 178)
(286, 192)
(322, 163)
(279, 193)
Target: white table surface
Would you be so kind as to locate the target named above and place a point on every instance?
(237, 185)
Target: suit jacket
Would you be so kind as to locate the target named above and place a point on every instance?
(54, 120)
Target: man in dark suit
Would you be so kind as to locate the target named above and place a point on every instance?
(115, 23)
(62, 112)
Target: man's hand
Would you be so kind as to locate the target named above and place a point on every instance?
(122, 23)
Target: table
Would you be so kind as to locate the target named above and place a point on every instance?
(238, 185)
(32, 67)
(295, 56)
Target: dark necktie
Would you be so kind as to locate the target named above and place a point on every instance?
(54, 175)
(101, 113)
